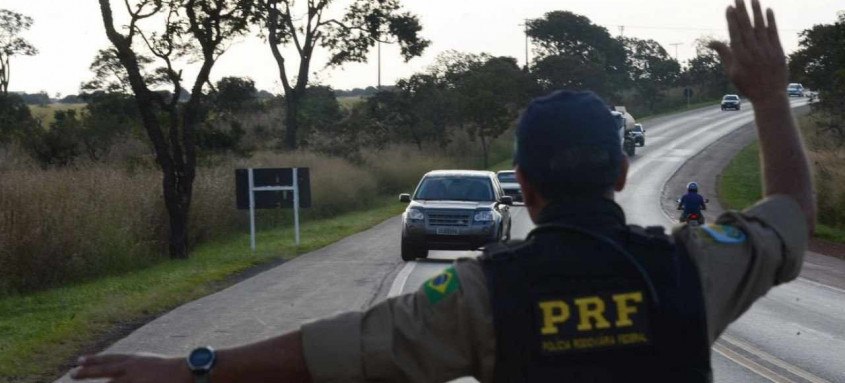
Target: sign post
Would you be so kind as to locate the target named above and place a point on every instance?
(268, 189)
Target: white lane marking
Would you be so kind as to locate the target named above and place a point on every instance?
(401, 279)
(750, 364)
(822, 285)
(797, 371)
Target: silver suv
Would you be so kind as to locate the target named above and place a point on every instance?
(454, 210)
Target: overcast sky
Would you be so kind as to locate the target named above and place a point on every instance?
(68, 34)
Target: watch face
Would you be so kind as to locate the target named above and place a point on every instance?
(201, 357)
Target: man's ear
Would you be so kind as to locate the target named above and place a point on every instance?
(532, 199)
(623, 175)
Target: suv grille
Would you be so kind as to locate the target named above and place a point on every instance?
(448, 219)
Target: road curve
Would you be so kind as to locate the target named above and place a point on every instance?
(794, 334)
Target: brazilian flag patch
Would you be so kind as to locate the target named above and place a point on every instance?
(442, 285)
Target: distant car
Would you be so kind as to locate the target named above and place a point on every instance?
(638, 134)
(507, 178)
(731, 101)
(454, 210)
(795, 89)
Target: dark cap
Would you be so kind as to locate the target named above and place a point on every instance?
(569, 143)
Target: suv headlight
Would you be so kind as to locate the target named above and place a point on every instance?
(416, 215)
(483, 216)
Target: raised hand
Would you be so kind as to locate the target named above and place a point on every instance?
(754, 62)
(133, 369)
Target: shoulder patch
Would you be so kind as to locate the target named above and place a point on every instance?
(442, 285)
(724, 233)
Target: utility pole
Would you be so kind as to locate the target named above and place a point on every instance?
(525, 30)
(676, 50)
(621, 30)
(379, 65)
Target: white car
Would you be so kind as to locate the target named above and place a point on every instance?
(507, 178)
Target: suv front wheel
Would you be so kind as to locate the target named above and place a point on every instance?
(410, 253)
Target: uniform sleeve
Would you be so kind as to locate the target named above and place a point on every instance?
(744, 255)
(441, 332)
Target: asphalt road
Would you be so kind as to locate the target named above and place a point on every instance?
(794, 334)
(361, 269)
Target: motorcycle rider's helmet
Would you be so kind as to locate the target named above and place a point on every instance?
(692, 187)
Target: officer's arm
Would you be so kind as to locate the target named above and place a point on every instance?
(441, 332)
(278, 359)
(757, 66)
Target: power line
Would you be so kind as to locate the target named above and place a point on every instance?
(700, 29)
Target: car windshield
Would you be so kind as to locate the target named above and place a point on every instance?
(455, 189)
(638, 128)
(508, 177)
(794, 86)
(731, 98)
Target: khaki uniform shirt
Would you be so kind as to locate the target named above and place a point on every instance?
(445, 330)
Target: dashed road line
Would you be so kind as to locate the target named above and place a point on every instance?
(401, 279)
(797, 371)
(750, 364)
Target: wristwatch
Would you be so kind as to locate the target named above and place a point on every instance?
(200, 362)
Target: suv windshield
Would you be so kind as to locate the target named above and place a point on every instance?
(509, 177)
(731, 98)
(455, 189)
(794, 86)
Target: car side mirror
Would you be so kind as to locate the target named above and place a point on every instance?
(507, 200)
(404, 197)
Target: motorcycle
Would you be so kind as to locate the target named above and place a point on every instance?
(692, 219)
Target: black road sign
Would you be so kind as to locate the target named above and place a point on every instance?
(272, 177)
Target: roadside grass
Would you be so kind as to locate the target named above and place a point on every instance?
(41, 333)
(741, 185)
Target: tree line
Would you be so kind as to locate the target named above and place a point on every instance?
(139, 88)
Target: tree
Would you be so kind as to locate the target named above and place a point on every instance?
(111, 77)
(572, 52)
(489, 96)
(650, 69)
(107, 117)
(234, 94)
(15, 117)
(318, 110)
(705, 71)
(820, 65)
(197, 29)
(58, 145)
(11, 44)
(417, 110)
(347, 39)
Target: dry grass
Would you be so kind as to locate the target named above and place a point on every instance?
(827, 154)
(830, 186)
(64, 225)
(60, 225)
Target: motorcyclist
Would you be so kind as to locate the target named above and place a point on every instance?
(692, 203)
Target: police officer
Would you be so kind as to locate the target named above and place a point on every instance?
(585, 297)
